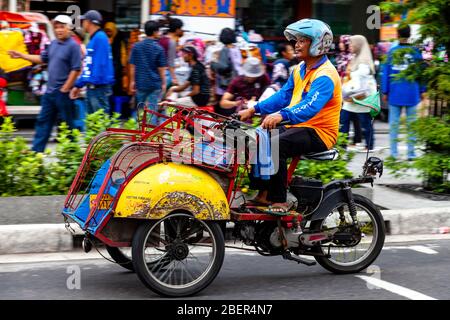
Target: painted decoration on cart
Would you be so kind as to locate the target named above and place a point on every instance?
(197, 8)
(165, 188)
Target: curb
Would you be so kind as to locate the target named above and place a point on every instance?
(40, 238)
(416, 221)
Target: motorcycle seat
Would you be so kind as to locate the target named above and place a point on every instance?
(328, 155)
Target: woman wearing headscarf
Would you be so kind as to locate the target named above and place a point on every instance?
(359, 83)
(343, 58)
(119, 52)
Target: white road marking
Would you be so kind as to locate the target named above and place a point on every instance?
(421, 249)
(401, 291)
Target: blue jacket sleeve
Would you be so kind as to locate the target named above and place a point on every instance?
(101, 57)
(86, 73)
(277, 101)
(320, 93)
(96, 69)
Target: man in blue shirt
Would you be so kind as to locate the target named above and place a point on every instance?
(98, 69)
(63, 57)
(401, 93)
(148, 70)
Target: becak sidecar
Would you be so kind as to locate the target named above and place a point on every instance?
(130, 192)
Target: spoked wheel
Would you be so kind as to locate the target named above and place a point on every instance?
(361, 246)
(179, 255)
(123, 256)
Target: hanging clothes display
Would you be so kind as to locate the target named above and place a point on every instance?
(12, 40)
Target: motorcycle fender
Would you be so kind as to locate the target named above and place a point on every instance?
(164, 188)
(331, 198)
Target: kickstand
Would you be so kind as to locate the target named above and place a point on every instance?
(288, 256)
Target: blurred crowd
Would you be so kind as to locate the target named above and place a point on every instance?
(100, 68)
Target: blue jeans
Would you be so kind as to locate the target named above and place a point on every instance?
(52, 104)
(394, 123)
(367, 129)
(98, 98)
(150, 99)
(345, 119)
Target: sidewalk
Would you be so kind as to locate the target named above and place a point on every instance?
(387, 197)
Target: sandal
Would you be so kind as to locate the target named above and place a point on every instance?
(278, 210)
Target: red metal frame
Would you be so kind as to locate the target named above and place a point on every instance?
(153, 138)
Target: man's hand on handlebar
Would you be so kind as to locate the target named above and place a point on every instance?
(272, 121)
(246, 114)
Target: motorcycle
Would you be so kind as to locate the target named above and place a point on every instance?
(164, 195)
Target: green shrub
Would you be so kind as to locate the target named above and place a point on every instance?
(26, 173)
(21, 169)
(328, 170)
(434, 164)
(98, 122)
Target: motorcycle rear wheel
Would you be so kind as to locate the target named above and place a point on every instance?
(373, 230)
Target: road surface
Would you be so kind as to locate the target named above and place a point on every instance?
(404, 270)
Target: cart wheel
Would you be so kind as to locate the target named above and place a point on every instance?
(122, 256)
(179, 255)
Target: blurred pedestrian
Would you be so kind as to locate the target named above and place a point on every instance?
(63, 57)
(148, 70)
(119, 53)
(401, 94)
(282, 66)
(198, 80)
(343, 58)
(98, 68)
(247, 88)
(359, 83)
(170, 43)
(227, 67)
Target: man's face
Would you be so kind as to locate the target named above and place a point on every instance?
(85, 24)
(187, 57)
(62, 31)
(179, 32)
(289, 53)
(302, 48)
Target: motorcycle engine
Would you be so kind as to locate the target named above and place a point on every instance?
(292, 237)
(258, 234)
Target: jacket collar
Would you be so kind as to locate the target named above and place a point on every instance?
(320, 62)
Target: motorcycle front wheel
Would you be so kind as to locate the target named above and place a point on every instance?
(179, 255)
(353, 257)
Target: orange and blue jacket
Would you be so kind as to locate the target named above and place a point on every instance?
(310, 99)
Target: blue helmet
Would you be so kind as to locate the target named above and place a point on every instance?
(318, 31)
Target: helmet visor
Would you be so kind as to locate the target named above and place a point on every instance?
(292, 35)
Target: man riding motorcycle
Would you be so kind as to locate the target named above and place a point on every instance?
(310, 101)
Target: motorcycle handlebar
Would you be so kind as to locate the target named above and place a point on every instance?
(237, 117)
